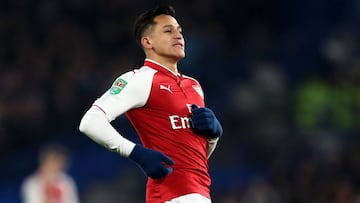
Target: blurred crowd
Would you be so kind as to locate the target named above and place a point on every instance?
(283, 76)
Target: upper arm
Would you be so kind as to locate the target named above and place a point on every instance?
(128, 91)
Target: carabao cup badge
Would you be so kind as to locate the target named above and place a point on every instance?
(117, 86)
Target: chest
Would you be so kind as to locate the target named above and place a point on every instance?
(174, 95)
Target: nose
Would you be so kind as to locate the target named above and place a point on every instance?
(178, 34)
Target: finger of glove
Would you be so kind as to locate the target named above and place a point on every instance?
(169, 170)
(159, 172)
(166, 171)
(202, 119)
(194, 107)
(200, 113)
(167, 160)
(203, 112)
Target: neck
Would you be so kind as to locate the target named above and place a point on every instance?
(171, 64)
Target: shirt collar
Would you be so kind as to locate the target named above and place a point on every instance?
(157, 66)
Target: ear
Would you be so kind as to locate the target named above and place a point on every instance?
(146, 42)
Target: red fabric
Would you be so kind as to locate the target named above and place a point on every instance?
(53, 193)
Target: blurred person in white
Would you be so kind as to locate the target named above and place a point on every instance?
(50, 183)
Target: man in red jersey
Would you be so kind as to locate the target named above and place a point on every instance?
(167, 109)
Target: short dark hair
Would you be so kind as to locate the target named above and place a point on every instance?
(146, 19)
(53, 150)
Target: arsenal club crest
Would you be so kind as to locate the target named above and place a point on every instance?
(198, 89)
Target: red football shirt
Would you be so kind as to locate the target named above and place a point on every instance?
(157, 102)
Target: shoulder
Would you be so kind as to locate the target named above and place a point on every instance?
(190, 78)
(134, 79)
(143, 71)
(195, 85)
(30, 181)
(136, 74)
(67, 178)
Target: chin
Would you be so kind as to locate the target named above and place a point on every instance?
(182, 55)
(177, 55)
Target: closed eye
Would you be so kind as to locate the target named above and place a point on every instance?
(170, 28)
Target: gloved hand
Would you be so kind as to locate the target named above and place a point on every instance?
(153, 163)
(204, 121)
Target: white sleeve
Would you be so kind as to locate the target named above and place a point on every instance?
(72, 195)
(30, 190)
(212, 142)
(95, 125)
(129, 91)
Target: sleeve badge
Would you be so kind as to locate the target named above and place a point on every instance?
(117, 86)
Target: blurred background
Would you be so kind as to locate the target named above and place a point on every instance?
(282, 76)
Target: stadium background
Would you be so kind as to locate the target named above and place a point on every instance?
(283, 77)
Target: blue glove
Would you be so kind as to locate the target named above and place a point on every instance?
(153, 163)
(204, 121)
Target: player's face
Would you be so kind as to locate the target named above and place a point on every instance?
(166, 38)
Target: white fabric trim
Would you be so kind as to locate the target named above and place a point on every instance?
(190, 198)
(212, 142)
